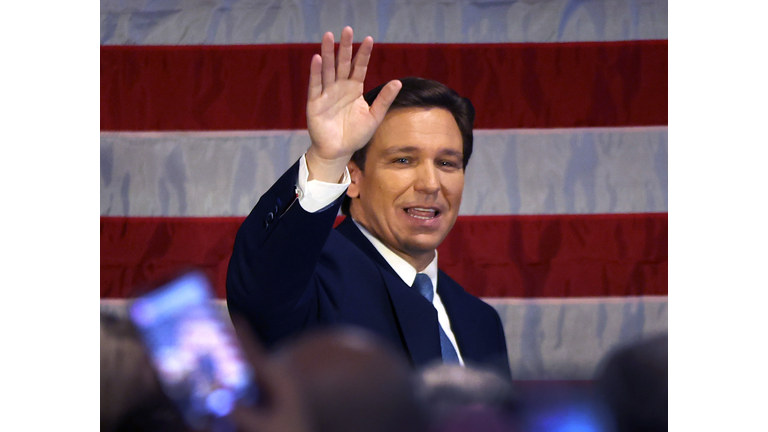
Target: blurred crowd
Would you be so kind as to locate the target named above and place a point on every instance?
(346, 379)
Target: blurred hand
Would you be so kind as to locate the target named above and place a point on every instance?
(339, 120)
(282, 408)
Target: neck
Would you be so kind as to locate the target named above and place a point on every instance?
(419, 260)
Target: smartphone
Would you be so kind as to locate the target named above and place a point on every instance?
(198, 360)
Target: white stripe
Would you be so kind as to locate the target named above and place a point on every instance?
(558, 339)
(206, 22)
(567, 338)
(512, 171)
(560, 131)
(547, 301)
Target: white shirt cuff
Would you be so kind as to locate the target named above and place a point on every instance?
(316, 195)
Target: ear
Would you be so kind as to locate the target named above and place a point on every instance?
(355, 175)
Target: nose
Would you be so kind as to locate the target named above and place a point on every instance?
(428, 179)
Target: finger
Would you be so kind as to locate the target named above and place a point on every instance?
(384, 99)
(257, 358)
(253, 351)
(345, 54)
(284, 411)
(360, 64)
(329, 68)
(315, 78)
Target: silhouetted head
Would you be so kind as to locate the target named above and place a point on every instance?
(633, 383)
(353, 382)
(452, 396)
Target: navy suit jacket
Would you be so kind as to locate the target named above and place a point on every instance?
(291, 271)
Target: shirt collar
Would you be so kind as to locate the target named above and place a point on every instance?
(403, 269)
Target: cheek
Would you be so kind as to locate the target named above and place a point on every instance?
(392, 189)
(454, 188)
(379, 197)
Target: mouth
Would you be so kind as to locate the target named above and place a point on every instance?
(423, 213)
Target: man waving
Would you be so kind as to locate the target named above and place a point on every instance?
(399, 152)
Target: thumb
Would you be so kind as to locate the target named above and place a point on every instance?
(384, 99)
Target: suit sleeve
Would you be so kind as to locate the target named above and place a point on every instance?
(270, 279)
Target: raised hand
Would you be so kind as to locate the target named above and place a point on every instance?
(339, 120)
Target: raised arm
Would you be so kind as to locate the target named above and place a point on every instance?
(271, 271)
(339, 120)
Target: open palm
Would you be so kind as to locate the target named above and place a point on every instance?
(339, 120)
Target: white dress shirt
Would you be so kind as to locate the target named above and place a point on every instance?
(316, 195)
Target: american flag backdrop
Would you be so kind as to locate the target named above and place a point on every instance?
(563, 225)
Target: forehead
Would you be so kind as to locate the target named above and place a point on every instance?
(420, 128)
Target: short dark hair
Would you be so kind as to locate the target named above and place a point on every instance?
(424, 93)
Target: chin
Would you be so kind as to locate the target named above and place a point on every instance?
(423, 246)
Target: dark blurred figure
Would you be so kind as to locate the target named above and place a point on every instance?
(457, 398)
(131, 396)
(633, 384)
(352, 382)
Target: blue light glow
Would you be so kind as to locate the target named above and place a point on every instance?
(568, 419)
(220, 402)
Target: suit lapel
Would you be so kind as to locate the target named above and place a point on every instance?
(461, 314)
(348, 228)
(415, 316)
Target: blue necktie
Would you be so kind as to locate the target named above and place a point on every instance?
(424, 285)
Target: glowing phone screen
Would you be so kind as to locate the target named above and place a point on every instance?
(196, 354)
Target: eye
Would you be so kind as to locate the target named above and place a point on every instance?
(448, 164)
(401, 160)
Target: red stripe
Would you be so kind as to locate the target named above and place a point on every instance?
(138, 251)
(558, 256)
(264, 86)
(491, 256)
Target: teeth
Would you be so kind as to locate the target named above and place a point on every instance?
(421, 213)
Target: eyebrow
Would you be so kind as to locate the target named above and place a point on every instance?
(453, 153)
(404, 149)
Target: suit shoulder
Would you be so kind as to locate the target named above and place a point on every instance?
(450, 288)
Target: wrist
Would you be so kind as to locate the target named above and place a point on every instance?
(329, 170)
